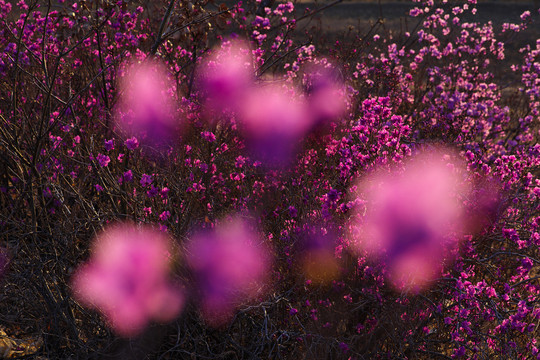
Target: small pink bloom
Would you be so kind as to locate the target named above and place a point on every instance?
(128, 175)
(146, 180)
(103, 160)
(109, 145)
(230, 265)
(131, 143)
(126, 279)
(293, 311)
(164, 215)
(208, 136)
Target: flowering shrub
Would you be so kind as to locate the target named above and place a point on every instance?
(363, 241)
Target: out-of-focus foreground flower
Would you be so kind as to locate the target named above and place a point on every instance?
(230, 266)
(412, 219)
(274, 120)
(326, 94)
(126, 279)
(146, 107)
(273, 117)
(227, 76)
(317, 256)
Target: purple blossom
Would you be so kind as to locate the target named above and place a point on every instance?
(103, 160)
(132, 143)
(164, 215)
(109, 145)
(128, 175)
(208, 136)
(146, 180)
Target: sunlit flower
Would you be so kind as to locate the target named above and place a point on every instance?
(126, 279)
(317, 256)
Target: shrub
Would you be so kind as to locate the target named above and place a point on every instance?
(337, 113)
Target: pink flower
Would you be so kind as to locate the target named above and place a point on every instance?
(103, 160)
(230, 265)
(274, 120)
(326, 94)
(126, 279)
(227, 75)
(128, 175)
(164, 215)
(146, 180)
(412, 219)
(146, 107)
(109, 145)
(131, 143)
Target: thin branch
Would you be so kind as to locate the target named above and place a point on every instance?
(159, 38)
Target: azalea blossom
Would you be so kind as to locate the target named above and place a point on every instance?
(226, 76)
(146, 109)
(326, 95)
(126, 279)
(274, 120)
(230, 265)
(412, 218)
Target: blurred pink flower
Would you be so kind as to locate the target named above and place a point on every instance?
(126, 279)
(146, 108)
(326, 95)
(412, 219)
(274, 120)
(227, 75)
(230, 266)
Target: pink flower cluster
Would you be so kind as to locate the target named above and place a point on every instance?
(146, 109)
(230, 264)
(126, 278)
(273, 115)
(412, 218)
